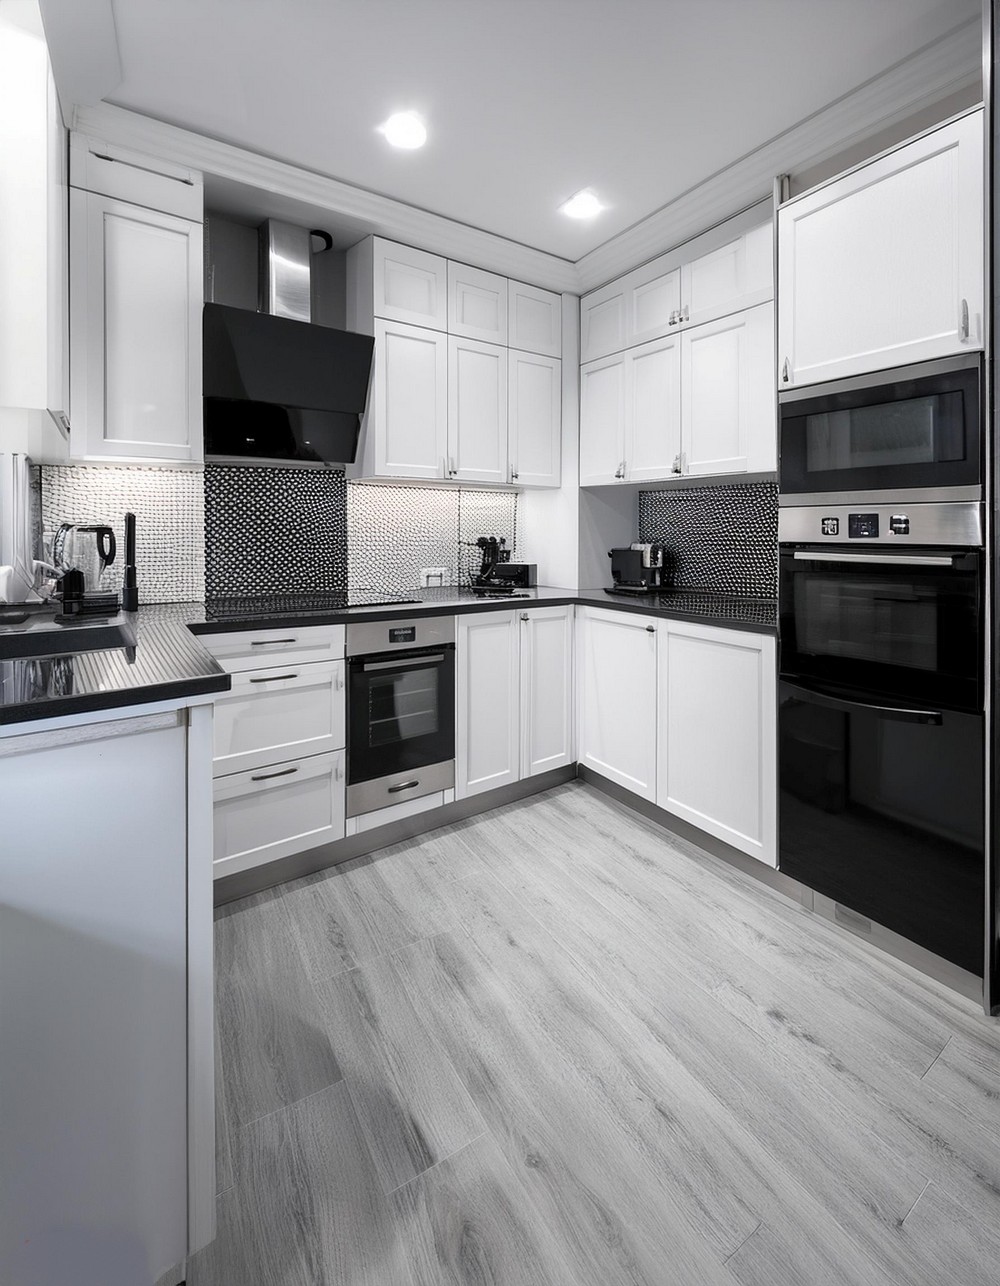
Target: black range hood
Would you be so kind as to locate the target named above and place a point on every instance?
(277, 388)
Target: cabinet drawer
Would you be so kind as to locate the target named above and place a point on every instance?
(276, 811)
(272, 714)
(258, 649)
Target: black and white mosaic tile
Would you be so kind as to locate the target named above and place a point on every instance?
(721, 538)
(394, 532)
(169, 506)
(270, 531)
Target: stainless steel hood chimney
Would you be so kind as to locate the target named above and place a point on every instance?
(279, 389)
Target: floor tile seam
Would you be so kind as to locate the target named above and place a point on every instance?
(936, 1057)
(753, 1233)
(285, 1107)
(485, 1133)
(916, 1201)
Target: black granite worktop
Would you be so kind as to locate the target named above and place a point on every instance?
(169, 663)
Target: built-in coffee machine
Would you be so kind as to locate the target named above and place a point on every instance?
(497, 574)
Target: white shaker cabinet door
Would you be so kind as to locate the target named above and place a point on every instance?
(534, 419)
(135, 332)
(617, 693)
(652, 302)
(653, 410)
(716, 759)
(409, 285)
(602, 321)
(487, 702)
(737, 275)
(546, 689)
(477, 411)
(728, 405)
(410, 394)
(602, 420)
(534, 319)
(884, 266)
(477, 304)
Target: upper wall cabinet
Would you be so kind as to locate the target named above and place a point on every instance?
(410, 285)
(534, 319)
(884, 266)
(451, 399)
(135, 308)
(477, 304)
(668, 294)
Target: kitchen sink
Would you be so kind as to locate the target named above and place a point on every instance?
(34, 629)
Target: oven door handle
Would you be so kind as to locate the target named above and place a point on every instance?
(403, 663)
(893, 560)
(819, 696)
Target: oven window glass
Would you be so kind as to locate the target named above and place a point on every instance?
(921, 430)
(867, 620)
(402, 706)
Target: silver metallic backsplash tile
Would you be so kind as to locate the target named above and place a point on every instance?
(393, 532)
(720, 538)
(169, 507)
(272, 531)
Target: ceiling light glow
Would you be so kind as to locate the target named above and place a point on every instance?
(583, 205)
(404, 129)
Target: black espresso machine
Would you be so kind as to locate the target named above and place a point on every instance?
(639, 569)
(497, 574)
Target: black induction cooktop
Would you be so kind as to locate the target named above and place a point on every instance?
(310, 604)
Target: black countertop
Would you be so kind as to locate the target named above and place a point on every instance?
(170, 664)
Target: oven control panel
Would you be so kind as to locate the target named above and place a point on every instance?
(948, 523)
(862, 526)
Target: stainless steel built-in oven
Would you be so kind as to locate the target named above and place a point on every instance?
(880, 719)
(400, 711)
(912, 433)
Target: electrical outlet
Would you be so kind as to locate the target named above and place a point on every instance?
(432, 576)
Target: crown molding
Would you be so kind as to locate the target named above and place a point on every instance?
(931, 74)
(379, 214)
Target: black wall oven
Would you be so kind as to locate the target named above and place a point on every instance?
(400, 711)
(881, 726)
(914, 432)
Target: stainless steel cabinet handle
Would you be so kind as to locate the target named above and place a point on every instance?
(676, 466)
(687, 313)
(673, 318)
(265, 776)
(406, 664)
(784, 371)
(891, 560)
(525, 616)
(403, 785)
(274, 678)
(650, 629)
(514, 475)
(624, 470)
(451, 467)
(272, 642)
(963, 322)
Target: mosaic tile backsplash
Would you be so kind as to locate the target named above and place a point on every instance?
(272, 531)
(392, 532)
(721, 538)
(169, 508)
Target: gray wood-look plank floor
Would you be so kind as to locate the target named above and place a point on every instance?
(555, 1046)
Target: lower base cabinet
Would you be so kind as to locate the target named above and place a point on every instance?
(617, 717)
(716, 746)
(513, 699)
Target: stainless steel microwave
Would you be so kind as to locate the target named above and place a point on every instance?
(912, 433)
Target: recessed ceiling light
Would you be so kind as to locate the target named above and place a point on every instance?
(584, 205)
(404, 129)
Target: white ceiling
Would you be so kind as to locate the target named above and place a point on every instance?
(526, 101)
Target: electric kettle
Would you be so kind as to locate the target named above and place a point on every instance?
(87, 549)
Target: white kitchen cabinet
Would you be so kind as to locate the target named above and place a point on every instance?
(409, 285)
(716, 755)
(884, 266)
(738, 275)
(289, 645)
(266, 813)
(534, 319)
(477, 411)
(487, 702)
(407, 416)
(630, 414)
(34, 342)
(135, 329)
(477, 304)
(514, 696)
(727, 401)
(602, 321)
(602, 420)
(616, 654)
(534, 419)
(652, 302)
(546, 689)
(279, 713)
